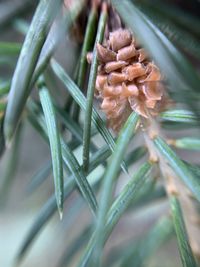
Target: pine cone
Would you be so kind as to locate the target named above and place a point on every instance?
(127, 80)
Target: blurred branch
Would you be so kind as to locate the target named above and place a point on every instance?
(13, 8)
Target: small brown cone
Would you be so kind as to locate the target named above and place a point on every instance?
(127, 79)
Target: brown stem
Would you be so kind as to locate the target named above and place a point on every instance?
(174, 186)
